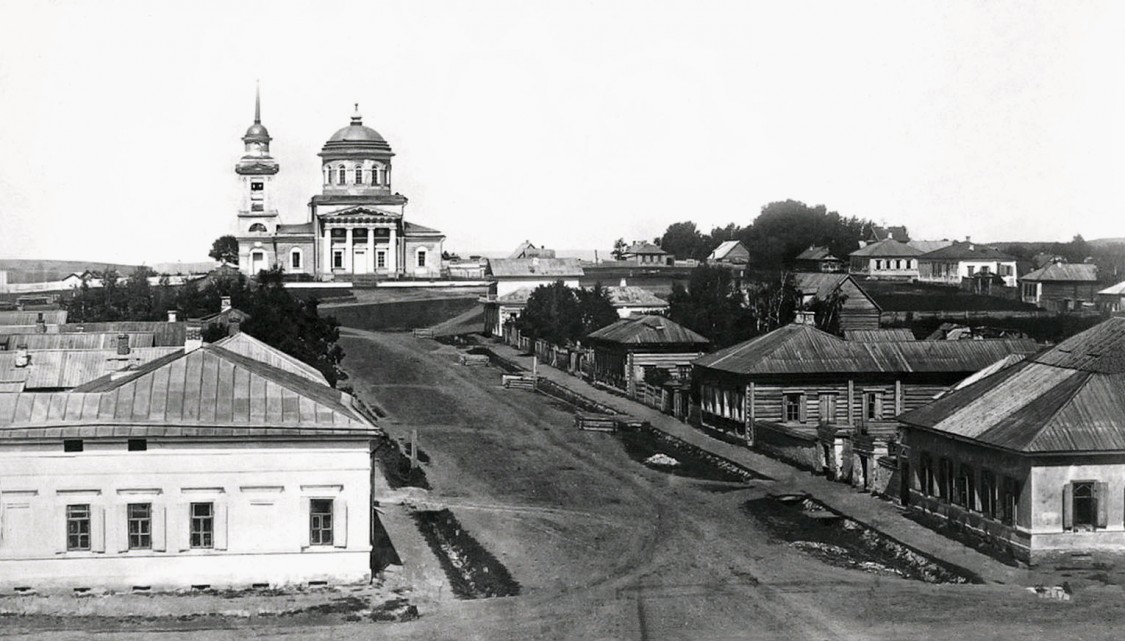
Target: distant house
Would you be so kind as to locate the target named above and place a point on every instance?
(1061, 286)
(513, 280)
(857, 312)
(625, 349)
(1112, 299)
(527, 249)
(730, 252)
(818, 259)
(953, 263)
(878, 233)
(1033, 457)
(630, 300)
(827, 403)
(886, 259)
(644, 253)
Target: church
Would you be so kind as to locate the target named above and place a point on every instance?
(356, 225)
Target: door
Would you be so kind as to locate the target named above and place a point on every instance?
(257, 262)
(904, 481)
(359, 261)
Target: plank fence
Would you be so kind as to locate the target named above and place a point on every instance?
(424, 332)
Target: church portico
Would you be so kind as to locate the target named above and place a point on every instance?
(356, 225)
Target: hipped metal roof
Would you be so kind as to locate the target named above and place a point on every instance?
(1064, 272)
(534, 267)
(1068, 399)
(647, 330)
(803, 349)
(63, 369)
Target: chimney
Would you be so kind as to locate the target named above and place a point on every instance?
(623, 283)
(122, 344)
(171, 316)
(193, 338)
(23, 359)
(234, 327)
(40, 324)
(224, 304)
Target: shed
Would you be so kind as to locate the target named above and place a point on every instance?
(858, 311)
(730, 252)
(1061, 286)
(625, 349)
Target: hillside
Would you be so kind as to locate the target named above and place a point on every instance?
(27, 270)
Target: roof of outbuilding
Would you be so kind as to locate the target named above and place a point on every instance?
(816, 252)
(250, 347)
(61, 369)
(888, 247)
(803, 349)
(634, 296)
(1070, 398)
(1066, 272)
(647, 330)
(80, 341)
(414, 229)
(164, 334)
(1114, 290)
(644, 247)
(50, 317)
(966, 251)
(889, 335)
(723, 249)
(523, 267)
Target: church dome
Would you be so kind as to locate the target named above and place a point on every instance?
(357, 136)
(257, 132)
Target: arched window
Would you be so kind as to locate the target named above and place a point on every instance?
(375, 175)
(331, 175)
(327, 175)
(257, 227)
(421, 258)
(295, 258)
(359, 174)
(341, 177)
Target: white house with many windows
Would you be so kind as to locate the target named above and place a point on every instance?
(230, 464)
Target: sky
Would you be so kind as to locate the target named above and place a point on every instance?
(570, 124)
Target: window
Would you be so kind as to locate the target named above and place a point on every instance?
(202, 525)
(337, 259)
(972, 269)
(72, 445)
(341, 171)
(1011, 500)
(421, 258)
(873, 406)
(259, 227)
(331, 175)
(1086, 510)
(827, 408)
(945, 478)
(359, 174)
(795, 407)
(963, 488)
(137, 445)
(988, 493)
(926, 474)
(878, 264)
(375, 175)
(295, 259)
(140, 526)
(78, 527)
(257, 207)
(320, 522)
(381, 259)
(257, 185)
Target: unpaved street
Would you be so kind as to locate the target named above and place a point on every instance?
(606, 548)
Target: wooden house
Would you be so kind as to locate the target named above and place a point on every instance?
(1112, 299)
(1062, 287)
(624, 350)
(827, 403)
(644, 253)
(858, 311)
(730, 252)
(818, 259)
(1033, 457)
(950, 265)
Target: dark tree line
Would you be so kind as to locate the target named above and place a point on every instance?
(277, 318)
(726, 311)
(781, 230)
(562, 315)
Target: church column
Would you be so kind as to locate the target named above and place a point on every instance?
(371, 250)
(325, 266)
(349, 252)
(393, 253)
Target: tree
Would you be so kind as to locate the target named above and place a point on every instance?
(619, 249)
(786, 228)
(683, 241)
(595, 308)
(225, 250)
(552, 314)
(713, 306)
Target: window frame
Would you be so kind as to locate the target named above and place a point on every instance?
(322, 522)
(296, 258)
(140, 537)
(201, 527)
(420, 257)
(793, 402)
(337, 259)
(343, 175)
(81, 516)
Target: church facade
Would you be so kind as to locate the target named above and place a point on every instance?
(355, 226)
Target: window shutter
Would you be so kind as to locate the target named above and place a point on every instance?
(803, 409)
(181, 527)
(1101, 498)
(340, 523)
(220, 526)
(58, 523)
(1068, 506)
(159, 528)
(306, 522)
(878, 405)
(119, 526)
(97, 528)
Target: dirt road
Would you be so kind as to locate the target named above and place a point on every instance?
(606, 548)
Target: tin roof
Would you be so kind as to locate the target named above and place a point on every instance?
(1070, 398)
(816, 252)
(966, 251)
(887, 247)
(633, 296)
(1066, 272)
(647, 330)
(722, 250)
(250, 347)
(414, 229)
(879, 335)
(536, 267)
(803, 349)
(88, 340)
(50, 316)
(164, 334)
(209, 392)
(60, 369)
(1114, 290)
(644, 247)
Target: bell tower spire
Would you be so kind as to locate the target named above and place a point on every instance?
(257, 103)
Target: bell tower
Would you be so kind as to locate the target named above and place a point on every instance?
(257, 212)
